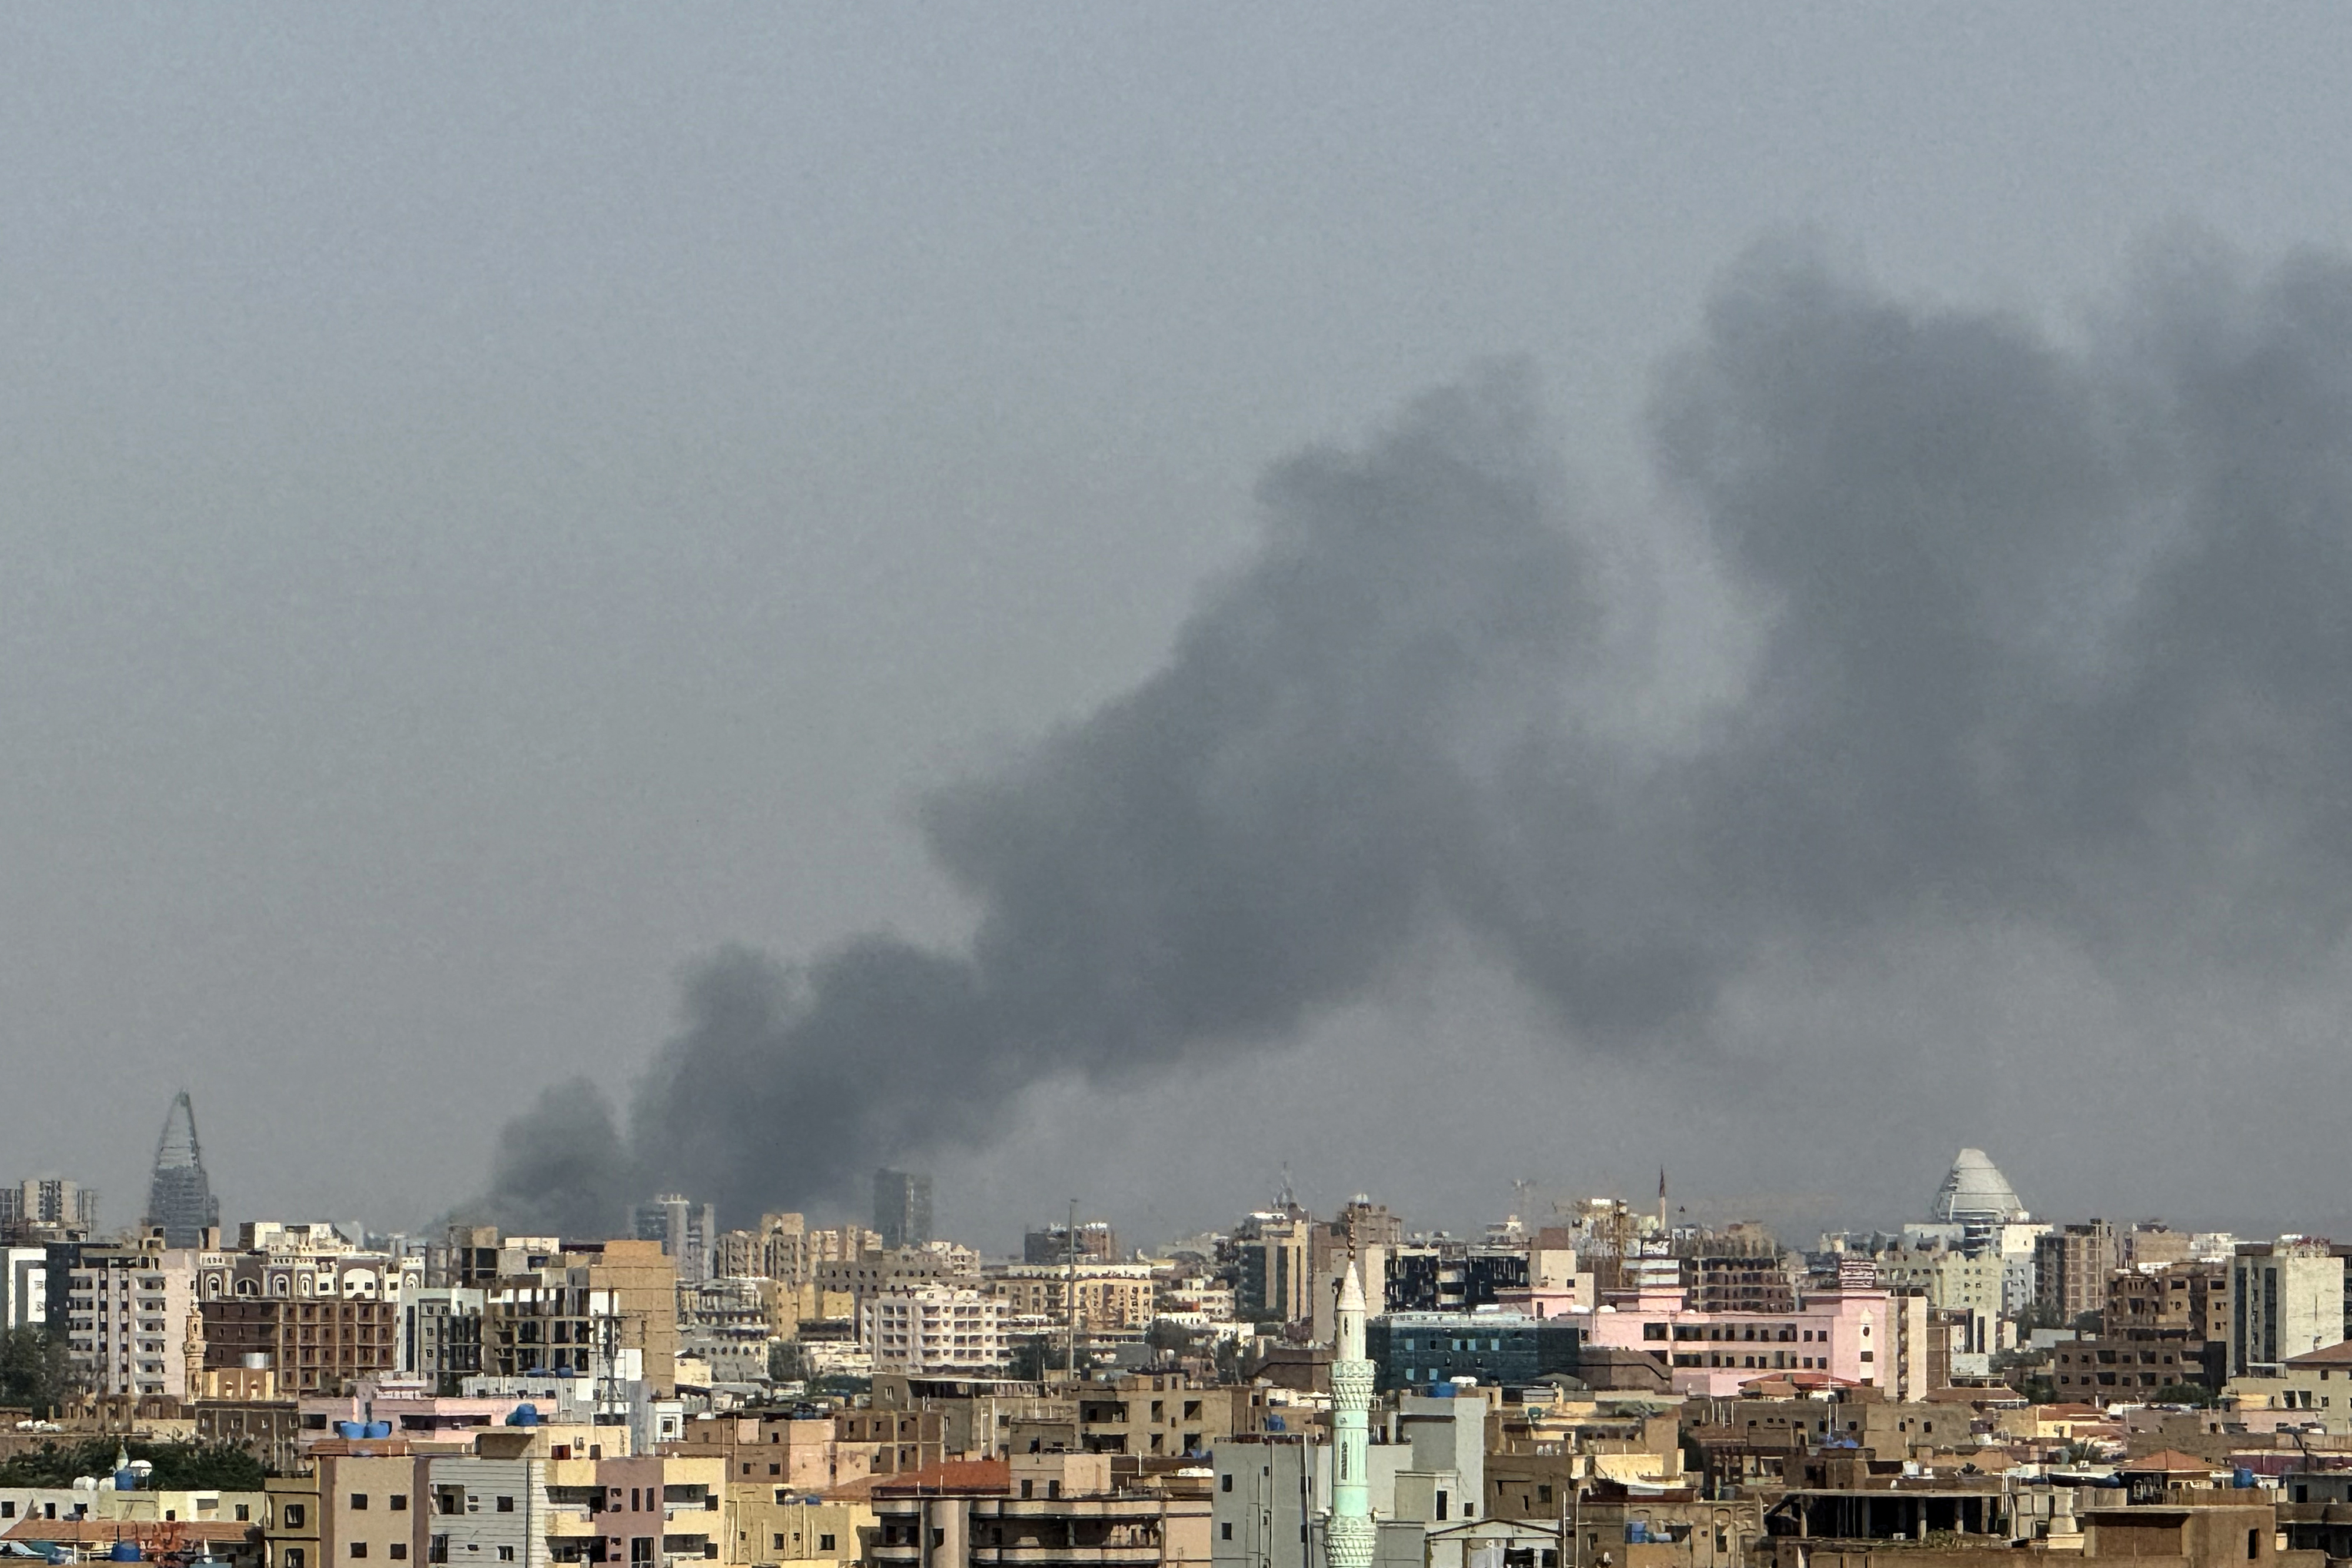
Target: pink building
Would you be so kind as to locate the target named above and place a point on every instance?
(409, 1406)
(1861, 1336)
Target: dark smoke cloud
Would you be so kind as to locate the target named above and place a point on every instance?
(2043, 632)
(562, 1169)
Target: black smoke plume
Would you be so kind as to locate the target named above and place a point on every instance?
(2041, 630)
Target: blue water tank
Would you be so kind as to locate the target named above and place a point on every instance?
(1637, 1531)
(126, 1480)
(123, 1552)
(379, 1428)
(1276, 1424)
(2242, 1477)
(350, 1430)
(525, 1414)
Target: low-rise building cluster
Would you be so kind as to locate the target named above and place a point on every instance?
(1600, 1387)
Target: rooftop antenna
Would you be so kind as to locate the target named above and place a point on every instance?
(1289, 1200)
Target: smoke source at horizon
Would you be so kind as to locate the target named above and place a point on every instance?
(2045, 633)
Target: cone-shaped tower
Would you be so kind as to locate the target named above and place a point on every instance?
(1348, 1540)
(180, 1195)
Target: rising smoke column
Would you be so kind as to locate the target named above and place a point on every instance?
(2057, 633)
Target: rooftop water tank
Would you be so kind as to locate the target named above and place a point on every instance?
(525, 1414)
(126, 1480)
(379, 1429)
(123, 1552)
(350, 1430)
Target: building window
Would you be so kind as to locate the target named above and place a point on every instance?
(290, 1558)
(506, 1505)
(292, 1513)
(398, 1502)
(1226, 1531)
(358, 1548)
(824, 1543)
(399, 1551)
(358, 1500)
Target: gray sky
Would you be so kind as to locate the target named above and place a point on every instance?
(494, 506)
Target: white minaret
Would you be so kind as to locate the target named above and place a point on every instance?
(1348, 1541)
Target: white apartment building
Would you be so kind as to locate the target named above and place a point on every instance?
(933, 1329)
(126, 1311)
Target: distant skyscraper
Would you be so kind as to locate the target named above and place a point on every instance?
(179, 1197)
(686, 1231)
(902, 1207)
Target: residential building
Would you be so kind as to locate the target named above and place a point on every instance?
(888, 1442)
(126, 1317)
(440, 1336)
(318, 1318)
(927, 1330)
(2319, 1382)
(48, 1207)
(1452, 1277)
(1950, 1279)
(769, 1525)
(599, 1309)
(1425, 1469)
(2072, 1266)
(2287, 1299)
(2109, 1370)
(1046, 1509)
(864, 1274)
(1854, 1335)
(1121, 1296)
(1364, 1234)
(1154, 1416)
(1096, 1243)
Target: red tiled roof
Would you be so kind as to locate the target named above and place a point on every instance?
(957, 1475)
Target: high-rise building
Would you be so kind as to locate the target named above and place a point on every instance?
(126, 1310)
(902, 1207)
(687, 1231)
(180, 1195)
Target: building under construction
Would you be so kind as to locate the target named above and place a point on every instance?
(180, 1200)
